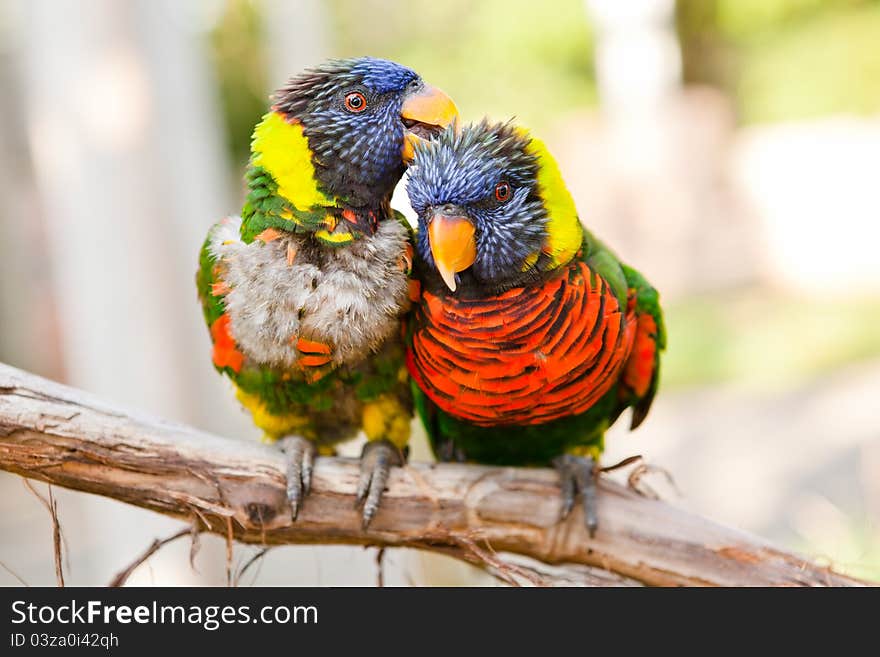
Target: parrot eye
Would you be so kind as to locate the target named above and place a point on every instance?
(502, 192)
(355, 102)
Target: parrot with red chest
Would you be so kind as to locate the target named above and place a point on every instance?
(304, 293)
(530, 337)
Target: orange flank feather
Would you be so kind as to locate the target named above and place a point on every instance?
(313, 360)
(225, 354)
(415, 290)
(313, 354)
(527, 356)
(641, 363)
(268, 235)
(312, 347)
(406, 259)
(314, 375)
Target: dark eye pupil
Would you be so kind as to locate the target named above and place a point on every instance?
(502, 191)
(355, 102)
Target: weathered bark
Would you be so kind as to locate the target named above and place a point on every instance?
(63, 436)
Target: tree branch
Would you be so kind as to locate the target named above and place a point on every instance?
(66, 437)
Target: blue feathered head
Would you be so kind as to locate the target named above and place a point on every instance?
(482, 220)
(362, 118)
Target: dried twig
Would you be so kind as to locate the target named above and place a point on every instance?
(629, 460)
(257, 558)
(52, 507)
(13, 573)
(195, 543)
(229, 551)
(122, 576)
(380, 567)
(502, 569)
(634, 480)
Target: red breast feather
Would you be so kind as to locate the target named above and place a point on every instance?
(527, 356)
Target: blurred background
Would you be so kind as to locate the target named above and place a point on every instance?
(730, 149)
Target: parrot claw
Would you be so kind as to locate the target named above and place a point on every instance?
(300, 455)
(376, 460)
(578, 478)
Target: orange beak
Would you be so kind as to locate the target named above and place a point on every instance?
(430, 107)
(452, 245)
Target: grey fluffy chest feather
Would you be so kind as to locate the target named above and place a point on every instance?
(350, 298)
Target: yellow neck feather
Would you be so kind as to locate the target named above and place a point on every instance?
(564, 231)
(281, 148)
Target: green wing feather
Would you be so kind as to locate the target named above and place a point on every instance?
(647, 302)
(622, 278)
(212, 306)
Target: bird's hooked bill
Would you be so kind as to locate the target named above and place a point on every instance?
(425, 113)
(453, 246)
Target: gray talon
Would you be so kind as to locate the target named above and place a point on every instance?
(377, 459)
(577, 476)
(300, 455)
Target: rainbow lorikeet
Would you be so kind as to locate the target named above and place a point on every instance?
(304, 292)
(530, 337)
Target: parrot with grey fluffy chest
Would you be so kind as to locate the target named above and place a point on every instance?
(304, 293)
